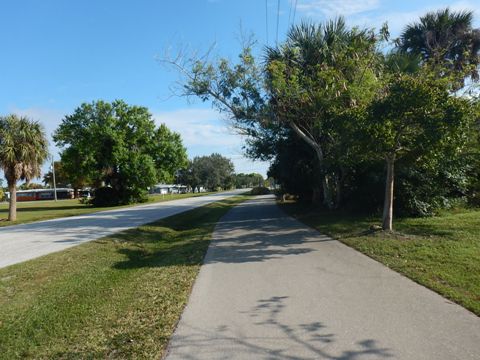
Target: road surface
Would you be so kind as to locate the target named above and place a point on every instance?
(273, 288)
(27, 241)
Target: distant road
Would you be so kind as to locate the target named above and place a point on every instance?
(27, 241)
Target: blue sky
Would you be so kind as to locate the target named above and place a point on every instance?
(57, 54)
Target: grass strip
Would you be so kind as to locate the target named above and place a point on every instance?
(117, 297)
(49, 209)
(441, 253)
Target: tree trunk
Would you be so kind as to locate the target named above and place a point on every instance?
(327, 191)
(12, 208)
(75, 193)
(338, 191)
(388, 204)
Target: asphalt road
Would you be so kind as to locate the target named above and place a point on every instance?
(272, 288)
(27, 241)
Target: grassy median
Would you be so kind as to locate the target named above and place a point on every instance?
(49, 209)
(117, 297)
(441, 253)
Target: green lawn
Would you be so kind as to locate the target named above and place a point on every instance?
(49, 209)
(441, 253)
(117, 297)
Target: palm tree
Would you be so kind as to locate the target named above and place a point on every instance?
(447, 38)
(23, 149)
(315, 72)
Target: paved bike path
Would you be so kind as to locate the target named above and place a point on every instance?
(273, 288)
(27, 241)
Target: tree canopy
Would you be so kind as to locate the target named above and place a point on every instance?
(118, 145)
(212, 172)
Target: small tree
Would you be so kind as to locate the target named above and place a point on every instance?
(416, 117)
(23, 149)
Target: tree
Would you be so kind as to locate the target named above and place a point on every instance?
(23, 149)
(168, 153)
(416, 117)
(118, 145)
(30, 186)
(212, 172)
(445, 38)
(313, 78)
(316, 73)
(248, 180)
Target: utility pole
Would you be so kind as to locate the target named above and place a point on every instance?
(54, 183)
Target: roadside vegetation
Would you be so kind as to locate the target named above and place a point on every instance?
(49, 209)
(347, 123)
(116, 297)
(441, 252)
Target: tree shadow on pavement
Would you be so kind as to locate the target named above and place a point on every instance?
(278, 340)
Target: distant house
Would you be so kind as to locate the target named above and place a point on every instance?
(168, 189)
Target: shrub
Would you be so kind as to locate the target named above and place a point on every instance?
(260, 190)
(106, 196)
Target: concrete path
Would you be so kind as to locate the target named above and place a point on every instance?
(272, 288)
(24, 242)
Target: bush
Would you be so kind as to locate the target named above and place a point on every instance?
(106, 196)
(260, 190)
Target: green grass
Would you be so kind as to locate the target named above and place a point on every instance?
(441, 253)
(49, 209)
(117, 297)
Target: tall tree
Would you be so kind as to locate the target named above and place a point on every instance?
(118, 145)
(445, 38)
(23, 149)
(306, 81)
(313, 78)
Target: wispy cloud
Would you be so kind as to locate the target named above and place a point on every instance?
(332, 8)
(373, 13)
(199, 127)
(397, 20)
(204, 131)
(49, 118)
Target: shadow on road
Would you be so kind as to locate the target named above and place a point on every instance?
(304, 341)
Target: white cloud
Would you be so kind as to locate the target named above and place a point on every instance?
(204, 131)
(199, 127)
(49, 118)
(397, 20)
(332, 8)
(373, 13)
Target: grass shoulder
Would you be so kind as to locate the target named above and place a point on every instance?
(117, 297)
(48, 209)
(441, 253)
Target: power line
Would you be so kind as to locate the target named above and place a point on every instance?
(290, 12)
(278, 20)
(294, 12)
(266, 18)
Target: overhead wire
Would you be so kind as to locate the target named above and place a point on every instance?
(266, 18)
(290, 12)
(278, 20)
(294, 11)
